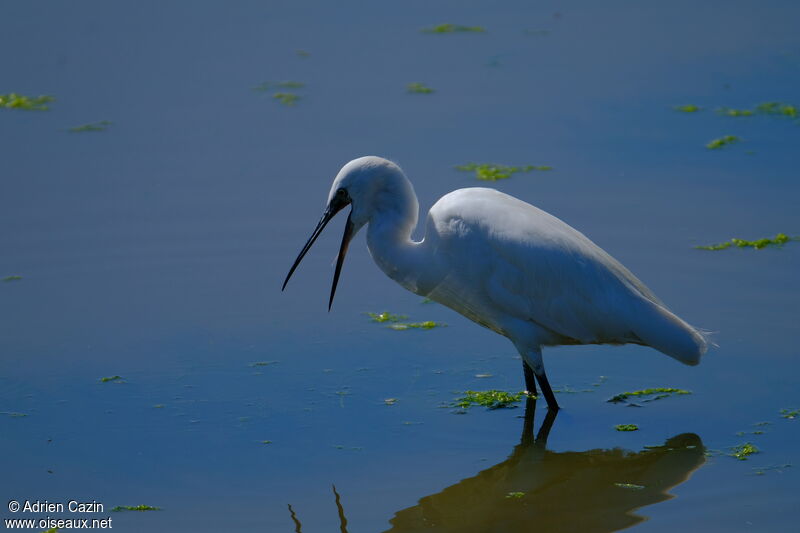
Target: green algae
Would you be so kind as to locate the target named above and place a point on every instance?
(390, 401)
(119, 508)
(790, 414)
(687, 108)
(114, 379)
(629, 486)
(303, 53)
(491, 399)
(12, 278)
(453, 28)
(626, 427)
(777, 108)
(262, 363)
(13, 414)
(266, 442)
(779, 240)
(287, 99)
(743, 451)
(648, 395)
(418, 88)
(386, 317)
(93, 126)
(494, 172)
(428, 324)
(760, 471)
(728, 112)
(721, 142)
(515, 495)
(27, 103)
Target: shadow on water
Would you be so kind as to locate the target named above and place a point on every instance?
(540, 490)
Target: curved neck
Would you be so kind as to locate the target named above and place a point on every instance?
(391, 247)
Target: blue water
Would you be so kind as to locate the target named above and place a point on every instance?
(155, 251)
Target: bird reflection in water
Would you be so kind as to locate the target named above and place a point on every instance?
(298, 527)
(536, 489)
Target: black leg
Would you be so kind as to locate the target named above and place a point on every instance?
(552, 404)
(527, 427)
(530, 382)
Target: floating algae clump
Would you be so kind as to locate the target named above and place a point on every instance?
(119, 508)
(779, 240)
(94, 126)
(492, 399)
(626, 427)
(12, 278)
(716, 144)
(418, 88)
(386, 317)
(115, 379)
(687, 108)
(287, 99)
(648, 395)
(515, 495)
(735, 112)
(743, 451)
(790, 414)
(777, 108)
(453, 28)
(428, 324)
(630, 486)
(494, 172)
(28, 103)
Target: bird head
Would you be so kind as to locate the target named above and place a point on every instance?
(366, 184)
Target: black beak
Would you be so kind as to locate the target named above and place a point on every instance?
(335, 206)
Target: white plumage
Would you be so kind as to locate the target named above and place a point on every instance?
(504, 264)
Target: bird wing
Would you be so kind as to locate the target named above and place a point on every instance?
(506, 257)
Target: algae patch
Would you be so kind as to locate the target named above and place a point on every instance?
(287, 99)
(119, 508)
(93, 126)
(13, 414)
(790, 414)
(515, 495)
(777, 108)
(629, 486)
(283, 96)
(721, 142)
(453, 28)
(386, 317)
(418, 88)
(12, 278)
(491, 399)
(428, 324)
(626, 427)
(728, 112)
(110, 379)
(27, 103)
(494, 172)
(687, 108)
(648, 395)
(779, 240)
(743, 451)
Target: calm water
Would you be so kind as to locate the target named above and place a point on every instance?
(155, 251)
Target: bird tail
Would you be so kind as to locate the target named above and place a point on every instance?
(661, 329)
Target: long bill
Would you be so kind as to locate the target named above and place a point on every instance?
(330, 212)
(348, 234)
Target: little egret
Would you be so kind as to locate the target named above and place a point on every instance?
(504, 264)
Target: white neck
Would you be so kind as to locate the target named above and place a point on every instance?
(391, 247)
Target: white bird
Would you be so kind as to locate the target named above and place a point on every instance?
(504, 264)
